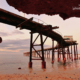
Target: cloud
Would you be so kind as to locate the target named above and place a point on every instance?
(4, 34)
(7, 30)
(19, 46)
(17, 32)
(15, 45)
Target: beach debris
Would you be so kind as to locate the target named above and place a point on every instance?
(46, 77)
(19, 68)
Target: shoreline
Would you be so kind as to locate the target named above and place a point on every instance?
(73, 74)
(57, 71)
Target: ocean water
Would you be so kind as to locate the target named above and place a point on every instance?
(9, 64)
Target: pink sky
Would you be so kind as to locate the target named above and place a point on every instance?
(68, 27)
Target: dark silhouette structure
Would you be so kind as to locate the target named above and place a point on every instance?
(65, 8)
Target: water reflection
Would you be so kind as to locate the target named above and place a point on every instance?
(30, 70)
(58, 66)
(44, 70)
(67, 66)
(9, 64)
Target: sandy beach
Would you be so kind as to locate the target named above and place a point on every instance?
(57, 71)
(73, 74)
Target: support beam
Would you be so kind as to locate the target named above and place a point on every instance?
(43, 61)
(58, 54)
(74, 53)
(63, 54)
(67, 53)
(71, 54)
(30, 61)
(52, 51)
(47, 53)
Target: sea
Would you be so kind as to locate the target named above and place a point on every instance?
(9, 64)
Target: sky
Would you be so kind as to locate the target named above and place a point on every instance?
(18, 41)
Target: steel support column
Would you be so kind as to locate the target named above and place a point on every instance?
(43, 61)
(71, 54)
(63, 54)
(67, 53)
(47, 53)
(76, 51)
(30, 60)
(58, 55)
(52, 51)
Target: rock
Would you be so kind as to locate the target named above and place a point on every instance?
(46, 77)
(19, 68)
(49, 7)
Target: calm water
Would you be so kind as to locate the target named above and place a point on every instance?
(9, 64)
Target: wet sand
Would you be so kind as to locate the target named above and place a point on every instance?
(55, 75)
(57, 71)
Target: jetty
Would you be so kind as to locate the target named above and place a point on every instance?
(46, 30)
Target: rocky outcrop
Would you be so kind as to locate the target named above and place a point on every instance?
(65, 8)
